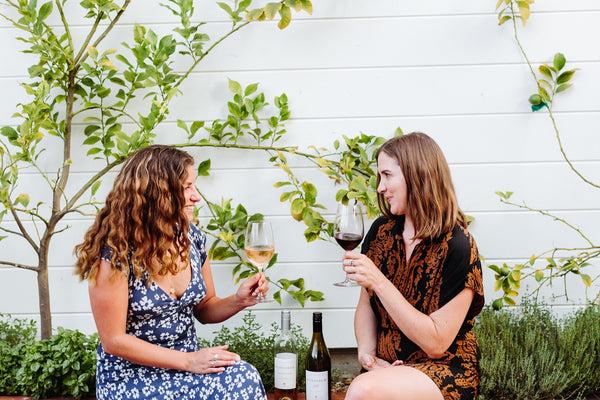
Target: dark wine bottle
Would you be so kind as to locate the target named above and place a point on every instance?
(286, 362)
(318, 364)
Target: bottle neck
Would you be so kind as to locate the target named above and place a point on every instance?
(285, 322)
(317, 327)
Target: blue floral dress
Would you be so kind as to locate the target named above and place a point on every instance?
(157, 318)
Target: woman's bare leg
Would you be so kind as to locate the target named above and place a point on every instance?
(393, 383)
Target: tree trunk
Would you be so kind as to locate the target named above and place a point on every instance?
(44, 300)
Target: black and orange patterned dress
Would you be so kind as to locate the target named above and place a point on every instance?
(438, 270)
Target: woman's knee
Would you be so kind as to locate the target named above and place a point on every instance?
(363, 387)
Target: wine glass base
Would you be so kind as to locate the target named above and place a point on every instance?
(264, 300)
(346, 283)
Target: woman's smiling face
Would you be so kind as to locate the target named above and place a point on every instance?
(392, 185)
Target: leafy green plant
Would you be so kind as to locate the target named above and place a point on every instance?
(82, 81)
(559, 262)
(528, 354)
(255, 347)
(64, 365)
(15, 336)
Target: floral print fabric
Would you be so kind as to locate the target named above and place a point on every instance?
(437, 271)
(157, 318)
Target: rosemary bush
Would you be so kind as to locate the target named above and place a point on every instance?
(532, 355)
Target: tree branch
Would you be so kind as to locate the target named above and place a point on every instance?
(547, 214)
(17, 265)
(105, 32)
(65, 24)
(24, 232)
(86, 42)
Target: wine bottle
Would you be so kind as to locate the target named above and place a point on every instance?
(318, 364)
(286, 362)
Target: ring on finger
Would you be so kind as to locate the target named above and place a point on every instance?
(351, 263)
(212, 363)
(215, 357)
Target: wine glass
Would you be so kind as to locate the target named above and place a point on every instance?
(348, 231)
(259, 247)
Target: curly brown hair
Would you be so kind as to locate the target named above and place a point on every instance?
(143, 221)
(432, 202)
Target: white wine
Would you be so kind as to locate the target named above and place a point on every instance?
(286, 362)
(259, 255)
(318, 364)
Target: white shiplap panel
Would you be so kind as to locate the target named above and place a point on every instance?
(465, 139)
(71, 295)
(536, 184)
(150, 12)
(499, 235)
(416, 91)
(389, 42)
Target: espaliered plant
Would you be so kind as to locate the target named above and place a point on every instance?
(84, 82)
(96, 86)
(550, 79)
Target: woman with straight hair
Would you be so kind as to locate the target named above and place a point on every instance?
(149, 277)
(421, 283)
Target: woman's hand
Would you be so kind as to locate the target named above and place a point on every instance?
(249, 289)
(362, 270)
(371, 362)
(210, 360)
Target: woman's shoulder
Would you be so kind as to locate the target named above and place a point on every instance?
(461, 242)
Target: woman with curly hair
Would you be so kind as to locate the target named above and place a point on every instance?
(421, 283)
(149, 277)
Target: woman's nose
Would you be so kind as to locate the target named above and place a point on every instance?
(380, 187)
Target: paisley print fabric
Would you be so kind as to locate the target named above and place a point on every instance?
(157, 318)
(437, 271)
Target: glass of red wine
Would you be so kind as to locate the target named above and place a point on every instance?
(348, 230)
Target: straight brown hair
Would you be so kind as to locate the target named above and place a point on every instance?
(431, 204)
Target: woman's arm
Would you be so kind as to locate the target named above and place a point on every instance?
(109, 298)
(213, 309)
(365, 327)
(432, 333)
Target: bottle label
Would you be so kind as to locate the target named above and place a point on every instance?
(285, 370)
(317, 387)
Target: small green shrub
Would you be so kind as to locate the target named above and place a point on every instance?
(64, 365)
(15, 335)
(530, 355)
(256, 348)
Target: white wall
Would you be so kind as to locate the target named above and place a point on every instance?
(444, 68)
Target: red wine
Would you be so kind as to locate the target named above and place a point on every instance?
(348, 241)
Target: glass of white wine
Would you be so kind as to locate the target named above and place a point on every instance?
(259, 247)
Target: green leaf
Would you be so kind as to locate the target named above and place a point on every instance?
(195, 126)
(563, 87)
(559, 61)
(281, 183)
(95, 187)
(271, 10)
(565, 76)
(545, 71)
(204, 167)
(497, 304)
(93, 151)
(45, 11)
(181, 124)
(502, 20)
(235, 87)
(251, 88)
(310, 192)
(9, 132)
(286, 17)
(539, 275)
(254, 15)
(509, 300)
(587, 280)
(91, 140)
(22, 199)
(277, 296)
(297, 207)
(225, 7)
(307, 6)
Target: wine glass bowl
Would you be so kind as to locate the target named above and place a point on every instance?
(348, 231)
(259, 247)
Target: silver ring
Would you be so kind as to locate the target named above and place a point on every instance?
(351, 262)
(212, 363)
(215, 357)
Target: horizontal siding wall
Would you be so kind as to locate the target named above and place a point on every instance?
(444, 68)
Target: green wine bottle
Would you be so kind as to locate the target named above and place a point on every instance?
(318, 364)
